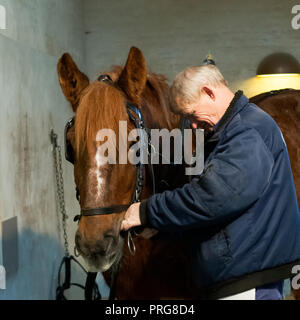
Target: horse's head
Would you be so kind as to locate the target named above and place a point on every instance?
(101, 105)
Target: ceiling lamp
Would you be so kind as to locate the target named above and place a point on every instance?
(278, 64)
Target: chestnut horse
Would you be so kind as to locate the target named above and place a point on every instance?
(159, 269)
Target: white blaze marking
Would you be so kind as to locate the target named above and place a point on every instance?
(100, 161)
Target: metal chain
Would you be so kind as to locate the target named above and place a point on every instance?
(60, 187)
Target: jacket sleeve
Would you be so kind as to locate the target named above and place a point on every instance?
(232, 180)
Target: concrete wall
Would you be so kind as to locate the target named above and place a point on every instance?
(174, 34)
(49, 26)
(31, 103)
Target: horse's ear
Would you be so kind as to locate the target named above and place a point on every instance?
(71, 79)
(134, 76)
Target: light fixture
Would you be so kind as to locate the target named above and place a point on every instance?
(278, 64)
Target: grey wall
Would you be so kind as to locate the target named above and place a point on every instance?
(174, 34)
(31, 103)
(49, 26)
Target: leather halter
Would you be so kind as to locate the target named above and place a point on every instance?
(135, 115)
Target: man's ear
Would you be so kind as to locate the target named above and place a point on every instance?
(71, 79)
(208, 91)
(134, 76)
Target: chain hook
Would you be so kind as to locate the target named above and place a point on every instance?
(60, 186)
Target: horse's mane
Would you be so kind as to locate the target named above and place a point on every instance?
(103, 106)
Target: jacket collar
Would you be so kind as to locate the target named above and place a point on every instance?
(236, 105)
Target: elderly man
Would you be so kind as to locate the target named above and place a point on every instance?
(240, 217)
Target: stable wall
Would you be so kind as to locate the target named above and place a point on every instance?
(174, 34)
(31, 103)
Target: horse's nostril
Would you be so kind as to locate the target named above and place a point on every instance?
(96, 248)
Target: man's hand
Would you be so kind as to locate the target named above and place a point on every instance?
(132, 219)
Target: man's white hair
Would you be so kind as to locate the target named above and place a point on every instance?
(186, 88)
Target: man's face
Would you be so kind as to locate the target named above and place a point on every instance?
(203, 110)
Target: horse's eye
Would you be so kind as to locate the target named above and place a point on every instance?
(74, 83)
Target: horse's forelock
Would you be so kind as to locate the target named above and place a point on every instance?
(101, 107)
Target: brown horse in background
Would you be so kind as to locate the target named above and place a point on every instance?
(159, 269)
(284, 107)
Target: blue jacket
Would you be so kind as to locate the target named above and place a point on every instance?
(240, 216)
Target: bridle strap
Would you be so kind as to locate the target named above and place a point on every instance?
(102, 211)
(89, 285)
(105, 210)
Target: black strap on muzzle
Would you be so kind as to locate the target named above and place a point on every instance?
(102, 211)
